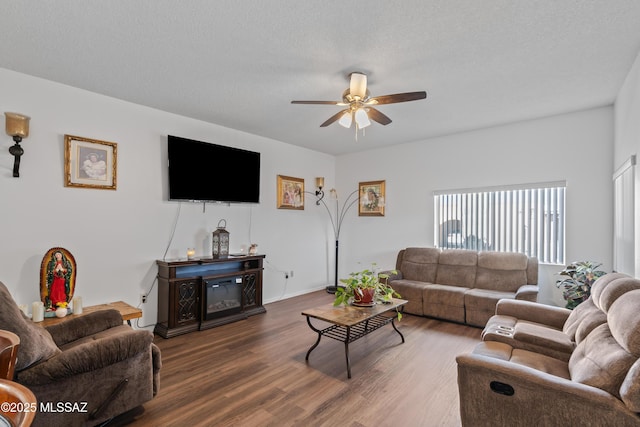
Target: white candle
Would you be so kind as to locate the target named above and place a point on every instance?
(38, 311)
(23, 308)
(77, 305)
(191, 253)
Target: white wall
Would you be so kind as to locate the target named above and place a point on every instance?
(116, 236)
(575, 147)
(627, 141)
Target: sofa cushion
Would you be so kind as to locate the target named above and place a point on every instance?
(585, 317)
(483, 299)
(411, 291)
(501, 271)
(601, 283)
(36, 344)
(630, 389)
(420, 264)
(614, 290)
(444, 302)
(457, 267)
(624, 322)
(599, 361)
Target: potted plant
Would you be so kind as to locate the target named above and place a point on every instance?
(365, 288)
(577, 281)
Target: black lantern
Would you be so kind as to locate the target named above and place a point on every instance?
(221, 241)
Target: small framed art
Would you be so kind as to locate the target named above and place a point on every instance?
(290, 192)
(371, 198)
(89, 163)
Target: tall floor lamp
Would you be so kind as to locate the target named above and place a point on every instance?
(336, 220)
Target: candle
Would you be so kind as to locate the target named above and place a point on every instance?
(191, 253)
(38, 311)
(23, 308)
(77, 305)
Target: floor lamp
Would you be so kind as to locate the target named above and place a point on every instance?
(336, 218)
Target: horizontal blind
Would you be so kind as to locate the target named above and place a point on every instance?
(514, 219)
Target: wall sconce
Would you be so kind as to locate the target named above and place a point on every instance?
(319, 192)
(17, 126)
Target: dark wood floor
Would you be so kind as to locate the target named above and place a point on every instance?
(253, 373)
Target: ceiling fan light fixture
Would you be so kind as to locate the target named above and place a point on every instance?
(362, 119)
(358, 85)
(345, 120)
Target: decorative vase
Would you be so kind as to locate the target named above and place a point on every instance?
(61, 311)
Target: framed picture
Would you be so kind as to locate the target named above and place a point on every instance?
(290, 192)
(371, 198)
(89, 163)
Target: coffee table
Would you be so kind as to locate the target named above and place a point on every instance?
(350, 323)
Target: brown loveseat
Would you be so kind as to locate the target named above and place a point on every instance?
(462, 285)
(85, 370)
(599, 385)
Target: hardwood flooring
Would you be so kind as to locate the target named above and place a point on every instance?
(253, 373)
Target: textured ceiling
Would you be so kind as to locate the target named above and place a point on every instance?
(239, 64)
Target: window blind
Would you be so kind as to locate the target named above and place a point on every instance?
(528, 219)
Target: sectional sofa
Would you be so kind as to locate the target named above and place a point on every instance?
(462, 285)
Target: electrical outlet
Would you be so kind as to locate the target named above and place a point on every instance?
(291, 273)
(143, 298)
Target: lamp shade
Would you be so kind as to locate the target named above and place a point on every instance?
(320, 182)
(358, 85)
(362, 119)
(17, 124)
(345, 120)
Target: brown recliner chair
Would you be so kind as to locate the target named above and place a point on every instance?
(599, 384)
(86, 370)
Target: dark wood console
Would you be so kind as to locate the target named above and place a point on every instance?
(206, 292)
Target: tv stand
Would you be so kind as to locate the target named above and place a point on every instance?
(182, 292)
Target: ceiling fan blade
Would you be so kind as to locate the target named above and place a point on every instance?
(398, 97)
(334, 118)
(377, 116)
(319, 102)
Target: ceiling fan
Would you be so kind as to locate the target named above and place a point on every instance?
(360, 105)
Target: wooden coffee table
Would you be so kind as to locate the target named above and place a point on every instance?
(350, 323)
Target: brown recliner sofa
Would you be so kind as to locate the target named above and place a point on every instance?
(86, 370)
(599, 385)
(462, 285)
(555, 331)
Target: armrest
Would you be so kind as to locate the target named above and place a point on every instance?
(88, 357)
(527, 293)
(393, 275)
(78, 327)
(533, 312)
(535, 395)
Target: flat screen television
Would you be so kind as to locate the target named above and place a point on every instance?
(204, 172)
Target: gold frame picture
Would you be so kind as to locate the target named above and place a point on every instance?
(371, 198)
(89, 163)
(290, 192)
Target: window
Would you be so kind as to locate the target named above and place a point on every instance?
(529, 219)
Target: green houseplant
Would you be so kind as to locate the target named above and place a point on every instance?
(365, 288)
(577, 280)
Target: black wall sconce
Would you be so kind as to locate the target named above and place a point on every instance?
(18, 127)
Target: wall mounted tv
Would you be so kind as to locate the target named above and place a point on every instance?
(203, 172)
